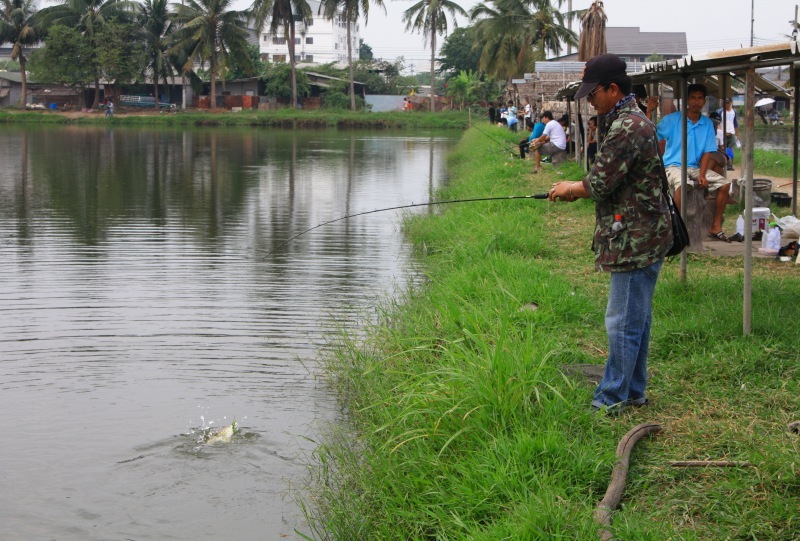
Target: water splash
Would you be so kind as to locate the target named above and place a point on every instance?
(216, 430)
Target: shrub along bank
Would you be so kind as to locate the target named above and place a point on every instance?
(460, 423)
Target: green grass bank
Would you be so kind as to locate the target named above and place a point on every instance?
(280, 118)
(771, 162)
(460, 424)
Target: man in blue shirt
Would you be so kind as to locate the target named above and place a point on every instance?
(700, 144)
(536, 131)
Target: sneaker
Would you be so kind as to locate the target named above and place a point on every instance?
(611, 411)
(730, 168)
(737, 237)
(638, 402)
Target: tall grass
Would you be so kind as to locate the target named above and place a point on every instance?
(460, 424)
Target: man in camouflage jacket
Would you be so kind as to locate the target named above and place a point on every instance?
(633, 231)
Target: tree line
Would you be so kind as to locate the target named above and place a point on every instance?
(125, 40)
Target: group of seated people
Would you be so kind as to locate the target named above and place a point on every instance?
(505, 116)
(707, 155)
(510, 116)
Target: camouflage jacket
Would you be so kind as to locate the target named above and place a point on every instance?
(625, 180)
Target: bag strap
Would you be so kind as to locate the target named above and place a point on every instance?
(661, 170)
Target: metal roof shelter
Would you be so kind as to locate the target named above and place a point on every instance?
(716, 70)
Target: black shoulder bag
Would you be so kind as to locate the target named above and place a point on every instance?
(680, 235)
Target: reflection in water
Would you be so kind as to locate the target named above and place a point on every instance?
(779, 139)
(138, 301)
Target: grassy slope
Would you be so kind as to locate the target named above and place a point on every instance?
(468, 430)
(283, 118)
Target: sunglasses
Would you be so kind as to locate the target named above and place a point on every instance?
(591, 94)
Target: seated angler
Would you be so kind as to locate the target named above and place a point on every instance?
(525, 145)
(553, 141)
(700, 145)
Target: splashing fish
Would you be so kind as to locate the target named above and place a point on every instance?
(222, 434)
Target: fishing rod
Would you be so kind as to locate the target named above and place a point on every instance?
(503, 198)
(502, 142)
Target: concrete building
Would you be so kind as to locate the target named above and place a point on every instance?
(321, 42)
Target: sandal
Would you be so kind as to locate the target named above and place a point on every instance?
(720, 235)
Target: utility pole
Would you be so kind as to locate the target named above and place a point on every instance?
(569, 25)
(752, 19)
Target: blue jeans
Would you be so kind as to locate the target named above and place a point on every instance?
(628, 318)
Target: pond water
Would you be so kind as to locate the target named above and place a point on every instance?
(141, 302)
(774, 138)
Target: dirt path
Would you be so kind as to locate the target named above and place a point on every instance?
(779, 184)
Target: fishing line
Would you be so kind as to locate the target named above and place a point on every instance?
(503, 198)
(502, 142)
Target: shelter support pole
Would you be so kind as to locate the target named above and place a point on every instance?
(796, 128)
(575, 135)
(684, 156)
(747, 153)
(585, 123)
(724, 85)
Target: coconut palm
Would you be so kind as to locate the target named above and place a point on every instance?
(350, 11)
(593, 32)
(90, 17)
(282, 14)
(430, 18)
(157, 26)
(548, 24)
(504, 36)
(18, 27)
(210, 31)
(516, 33)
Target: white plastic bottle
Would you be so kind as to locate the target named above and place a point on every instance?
(740, 226)
(774, 241)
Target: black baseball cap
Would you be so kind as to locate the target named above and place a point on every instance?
(603, 67)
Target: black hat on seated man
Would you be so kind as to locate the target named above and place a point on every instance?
(601, 68)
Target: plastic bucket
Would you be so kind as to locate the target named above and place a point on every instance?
(762, 188)
(760, 218)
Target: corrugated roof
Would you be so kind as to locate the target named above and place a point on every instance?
(13, 76)
(708, 66)
(629, 40)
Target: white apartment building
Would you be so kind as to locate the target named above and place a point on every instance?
(320, 42)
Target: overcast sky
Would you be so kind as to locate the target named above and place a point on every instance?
(710, 25)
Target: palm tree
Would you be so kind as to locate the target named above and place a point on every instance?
(350, 11)
(90, 17)
(210, 31)
(516, 33)
(157, 25)
(18, 27)
(430, 18)
(593, 32)
(549, 30)
(504, 41)
(283, 14)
